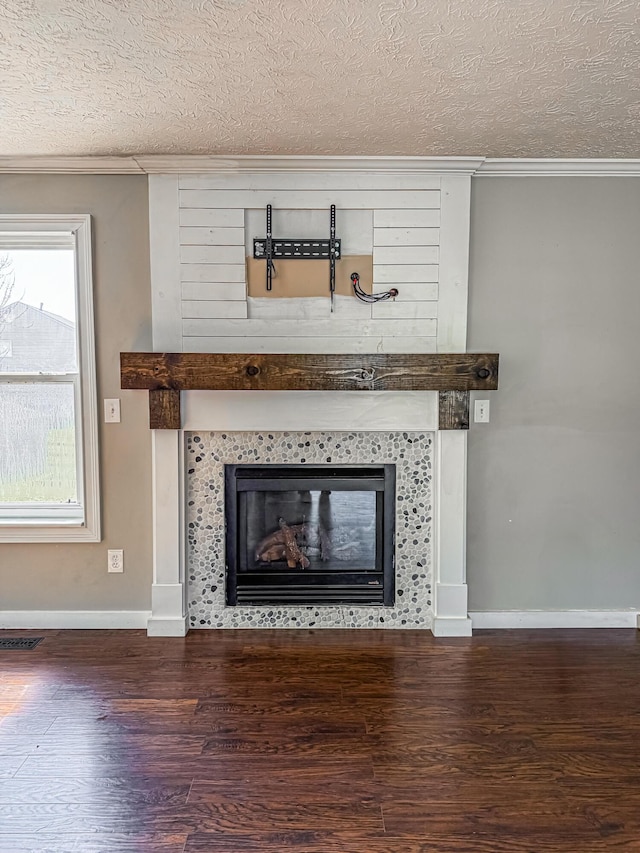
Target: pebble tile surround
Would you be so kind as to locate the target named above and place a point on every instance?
(206, 455)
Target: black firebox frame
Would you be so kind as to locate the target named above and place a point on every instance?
(293, 586)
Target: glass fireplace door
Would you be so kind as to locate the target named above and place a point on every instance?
(302, 534)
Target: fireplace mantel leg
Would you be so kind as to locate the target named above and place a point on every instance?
(168, 609)
(451, 618)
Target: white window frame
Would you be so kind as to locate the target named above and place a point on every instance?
(45, 525)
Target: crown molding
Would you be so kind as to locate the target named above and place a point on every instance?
(195, 163)
(70, 166)
(163, 164)
(558, 167)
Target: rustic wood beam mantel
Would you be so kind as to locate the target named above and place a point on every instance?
(164, 375)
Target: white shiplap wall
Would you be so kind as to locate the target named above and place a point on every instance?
(417, 230)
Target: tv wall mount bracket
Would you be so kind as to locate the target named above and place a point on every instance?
(269, 249)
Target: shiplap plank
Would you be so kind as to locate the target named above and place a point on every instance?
(406, 218)
(321, 328)
(406, 254)
(223, 273)
(212, 254)
(310, 345)
(424, 343)
(308, 308)
(320, 180)
(406, 236)
(391, 310)
(212, 236)
(415, 292)
(234, 291)
(397, 274)
(214, 309)
(212, 218)
(312, 199)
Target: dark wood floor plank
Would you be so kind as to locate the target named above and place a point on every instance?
(95, 790)
(536, 819)
(220, 815)
(347, 843)
(41, 842)
(131, 842)
(309, 789)
(262, 769)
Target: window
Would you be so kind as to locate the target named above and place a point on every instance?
(48, 410)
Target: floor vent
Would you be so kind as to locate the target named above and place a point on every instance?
(20, 642)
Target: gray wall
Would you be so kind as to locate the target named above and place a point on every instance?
(554, 479)
(74, 576)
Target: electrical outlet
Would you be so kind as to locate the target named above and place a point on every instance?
(481, 411)
(112, 411)
(115, 560)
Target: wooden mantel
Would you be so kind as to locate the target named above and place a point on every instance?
(164, 375)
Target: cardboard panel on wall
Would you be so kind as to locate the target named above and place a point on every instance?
(300, 278)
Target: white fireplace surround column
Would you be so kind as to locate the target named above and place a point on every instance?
(168, 593)
(450, 612)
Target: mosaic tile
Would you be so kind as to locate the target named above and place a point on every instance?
(206, 455)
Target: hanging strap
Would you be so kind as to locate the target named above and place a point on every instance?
(332, 252)
(269, 250)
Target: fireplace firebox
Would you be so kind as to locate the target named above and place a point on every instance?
(310, 534)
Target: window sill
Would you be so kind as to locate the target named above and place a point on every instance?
(44, 530)
(41, 521)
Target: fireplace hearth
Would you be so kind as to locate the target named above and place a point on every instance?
(310, 534)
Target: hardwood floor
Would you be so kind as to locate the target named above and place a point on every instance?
(321, 741)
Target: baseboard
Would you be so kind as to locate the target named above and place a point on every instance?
(167, 626)
(451, 627)
(61, 619)
(554, 619)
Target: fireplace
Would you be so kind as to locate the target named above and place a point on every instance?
(285, 382)
(310, 534)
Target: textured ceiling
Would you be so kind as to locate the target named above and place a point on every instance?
(499, 78)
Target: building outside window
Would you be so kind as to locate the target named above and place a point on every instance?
(48, 418)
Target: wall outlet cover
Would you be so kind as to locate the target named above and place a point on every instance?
(115, 560)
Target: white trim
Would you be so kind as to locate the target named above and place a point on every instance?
(312, 411)
(79, 226)
(195, 163)
(63, 619)
(88, 381)
(449, 576)
(167, 627)
(451, 627)
(559, 167)
(455, 220)
(165, 164)
(156, 164)
(36, 240)
(71, 165)
(554, 618)
(168, 591)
